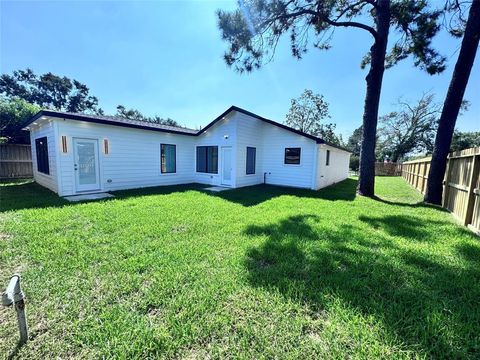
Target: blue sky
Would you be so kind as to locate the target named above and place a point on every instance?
(165, 58)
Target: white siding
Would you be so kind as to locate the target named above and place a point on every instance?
(133, 160)
(270, 142)
(336, 171)
(275, 140)
(221, 134)
(250, 132)
(45, 128)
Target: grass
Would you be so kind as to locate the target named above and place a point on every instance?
(261, 272)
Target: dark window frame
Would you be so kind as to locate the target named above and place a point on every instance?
(161, 159)
(41, 149)
(208, 162)
(247, 172)
(327, 160)
(290, 162)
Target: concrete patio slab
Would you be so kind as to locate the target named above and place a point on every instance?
(86, 197)
(217, 188)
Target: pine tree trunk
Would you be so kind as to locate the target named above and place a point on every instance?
(366, 181)
(452, 104)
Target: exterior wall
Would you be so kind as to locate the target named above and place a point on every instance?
(336, 171)
(275, 140)
(250, 132)
(48, 129)
(221, 134)
(133, 160)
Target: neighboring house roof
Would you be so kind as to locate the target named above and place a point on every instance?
(111, 120)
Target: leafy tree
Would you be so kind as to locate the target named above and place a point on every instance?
(306, 114)
(409, 129)
(49, 91)
(354, 142)
(465, 140)
(131, 114)
(134, 114)
(13, 112)
(453, 102)
(254, 29)
(354, 162)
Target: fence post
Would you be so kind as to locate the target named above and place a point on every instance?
(446, 180)
(471, 187)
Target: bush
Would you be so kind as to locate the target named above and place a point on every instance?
(354, 162)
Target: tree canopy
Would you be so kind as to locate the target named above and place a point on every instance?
(411, 128)
(254, 29)
(465, 140)
(12, 113)
(49, 91)
(135, 114)
(354, 142)
(23, 93)
(307, 113)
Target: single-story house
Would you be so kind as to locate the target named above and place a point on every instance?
(77, 153)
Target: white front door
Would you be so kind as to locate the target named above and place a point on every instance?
(86, 164)
(226, 166)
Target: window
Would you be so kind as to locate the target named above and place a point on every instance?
(292, 156)
(168, 158)
(328, 158)
(207, 159)
(251, 154)
(41, 147)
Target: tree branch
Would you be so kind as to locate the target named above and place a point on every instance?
(321, 17)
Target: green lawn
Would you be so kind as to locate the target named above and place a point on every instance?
(260, 272)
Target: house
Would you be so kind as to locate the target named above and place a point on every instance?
(78, 153)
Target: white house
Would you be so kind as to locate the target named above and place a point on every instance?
(77, 153)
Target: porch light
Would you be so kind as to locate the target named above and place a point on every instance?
(64, 144)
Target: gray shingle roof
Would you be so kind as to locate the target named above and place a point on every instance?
(113, 120)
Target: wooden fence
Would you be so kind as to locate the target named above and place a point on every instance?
(461, 190)
(15, 161)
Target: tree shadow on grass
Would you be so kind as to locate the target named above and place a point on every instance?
(257, 194)
(27, 195)
(418, 204)
(430, 305)
(410, 227)
(30, 195)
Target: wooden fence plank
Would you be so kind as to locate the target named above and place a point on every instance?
(15, 161)
(461, 195)
(471, 187)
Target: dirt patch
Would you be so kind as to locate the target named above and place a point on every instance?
(5, 237)
(181, 228)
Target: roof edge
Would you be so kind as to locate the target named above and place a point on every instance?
(88, 118)
(282, 126)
